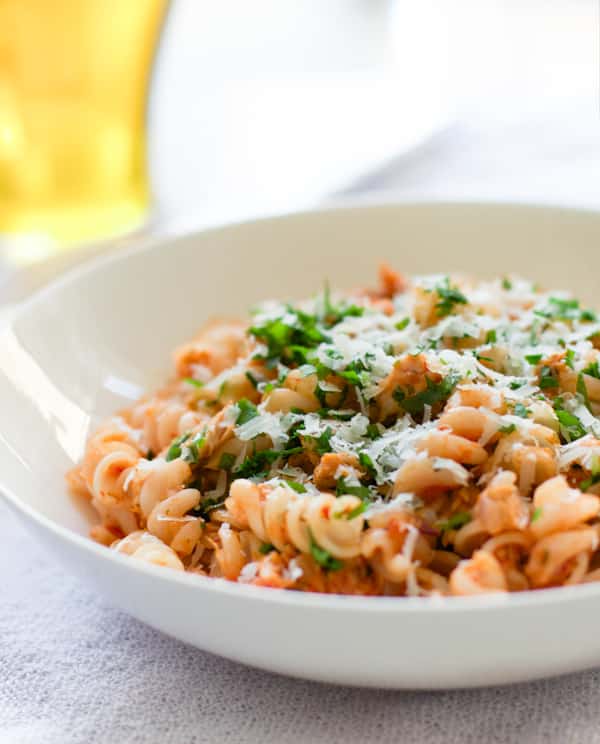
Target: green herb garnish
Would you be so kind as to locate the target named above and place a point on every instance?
(343, 488)
(192, 449)
(436, 392)
(537, 513)
(296, 486)
(248, 411)
(323, 557)
(290, 337)
(373, 431)
(174, 450)
(449, 298)
(569, 310)
(582, 390)
(571, 427)
(594, 477)
(252, 379)
(206, 506)
(455, 522)
(533, 359)
(226, 461)
(547, 378)
(520, 410)
(357, 374)
(402, 324)
(353, 513)
(260, 462)
(593, 370)
(323, 441)
(192, 381)
(367, 463)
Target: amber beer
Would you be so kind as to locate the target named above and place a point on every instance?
(74, 78)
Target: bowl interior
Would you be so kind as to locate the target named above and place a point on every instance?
(92, 342)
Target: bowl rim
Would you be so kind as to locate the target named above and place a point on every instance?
(314, 600)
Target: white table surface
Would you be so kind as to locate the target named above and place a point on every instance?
(75, 670)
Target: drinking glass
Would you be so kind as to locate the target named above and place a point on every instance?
(74, 79)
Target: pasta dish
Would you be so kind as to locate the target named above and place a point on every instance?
(438, 435)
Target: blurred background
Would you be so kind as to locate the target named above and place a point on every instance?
(123, 119)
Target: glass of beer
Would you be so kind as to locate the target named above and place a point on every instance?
(74, 79)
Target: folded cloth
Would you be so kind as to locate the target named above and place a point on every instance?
(74, 670)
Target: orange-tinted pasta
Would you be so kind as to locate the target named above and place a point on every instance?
(432, 436)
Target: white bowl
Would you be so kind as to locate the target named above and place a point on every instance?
(87, 345)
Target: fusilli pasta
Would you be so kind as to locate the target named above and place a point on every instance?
(432, 436)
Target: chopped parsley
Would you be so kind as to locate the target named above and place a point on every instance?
(566, 310)
(373, 431)
(569, 358)
(320, 395)
(343, 488)
(192, 447)
(260, 462)
(206, 506)
(521, 410)
(547, 378)
(534, 359)
(353, 513)
(480, 357)
(455, 522)
(594, 477)
(402, 324)
(449, 297)
(506, 284)
(296, 486)
(289, 337)
(508, 429)
(367, 463)
(174, 450)
(571, 427)
(252, 379)
(266, 548)
(593, 370)
(491, 337)
(357, 373)
(248, 411)
(537, 513)
(323, 557)
(226, 461)
(582, 391)
(436, 392)
(323, 441)
(194, 382)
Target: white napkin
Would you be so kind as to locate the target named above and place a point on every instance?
(74, 670)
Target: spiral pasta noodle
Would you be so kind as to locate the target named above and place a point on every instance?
(281, 516)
